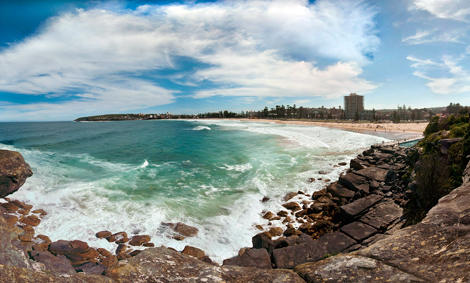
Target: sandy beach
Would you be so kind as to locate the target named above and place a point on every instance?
(390, 130)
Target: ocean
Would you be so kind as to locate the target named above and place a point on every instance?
(135, 175)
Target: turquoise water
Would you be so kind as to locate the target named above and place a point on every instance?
(133, 175)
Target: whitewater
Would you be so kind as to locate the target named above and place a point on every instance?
(135, 175)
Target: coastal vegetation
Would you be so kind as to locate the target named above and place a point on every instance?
(437, 164)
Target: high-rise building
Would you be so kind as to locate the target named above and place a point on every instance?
(353, 104)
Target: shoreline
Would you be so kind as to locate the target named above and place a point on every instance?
(401, 131)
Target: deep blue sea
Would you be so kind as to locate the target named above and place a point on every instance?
(133, 175)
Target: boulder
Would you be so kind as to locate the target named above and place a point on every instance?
(139, 240)
(192, 251)
(116, 236)
(339, 191)
(263, 241)
(76, 251)
(276, 231)
(354, 182)
(55, 264)
(165, 265)
(103, 234)
(258, 258)
(91, 268)
(293, 206)
(356, 164)
(32, 220)
(355, 209)
(13, 172)
(185, 230)
(290, 257)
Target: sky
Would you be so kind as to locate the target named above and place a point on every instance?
(60, 60)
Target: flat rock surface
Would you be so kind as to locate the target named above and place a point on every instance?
(352, 269)
(354, 209)
(373, 173)
(328, 244)
(383, 214)
(164, 265)
(358, 230)
(353, 181)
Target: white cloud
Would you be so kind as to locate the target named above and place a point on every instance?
(98, 57)
(446, 9)
(268, 76)
(455, 81)
(422, 37)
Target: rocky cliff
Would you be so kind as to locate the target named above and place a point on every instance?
(358, 239)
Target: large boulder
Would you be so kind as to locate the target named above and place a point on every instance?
(328, 244)
(13, 172)
(55, 264)
(165, 265)
(258, 258)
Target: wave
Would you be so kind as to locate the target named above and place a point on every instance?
(201, 128)
(146, 163)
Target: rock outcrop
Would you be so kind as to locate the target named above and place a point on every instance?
(13, 172)
(435, 250)
(165, 265)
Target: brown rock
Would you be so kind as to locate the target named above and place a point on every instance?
(44, 238)
(258, 258)
(135, 252)
(139, 240)
(178, 237)
(40, 211)
(192, 251)
(25, 238)
(10, 207)
(104, 252)
(122, 256)
(164, 265)
(186, 230)
(292, 206)
(23, 211)
(11, 219)
(116, 237)
(149, 245)
(21, 204)
(103, 234)
(282, 213)
(275, 231)
(110, 261)
(32, 220)
(13, 172)
(122, 240)
(268, 215)
(121, 249)
(289, 196)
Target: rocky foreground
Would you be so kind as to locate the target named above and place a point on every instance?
(350, 232)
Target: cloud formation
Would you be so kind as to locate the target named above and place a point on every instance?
(101, 58)
(456, 80)
(445, 9)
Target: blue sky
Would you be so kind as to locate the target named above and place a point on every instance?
(60, 60)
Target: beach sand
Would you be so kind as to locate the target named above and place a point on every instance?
(400, 131)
